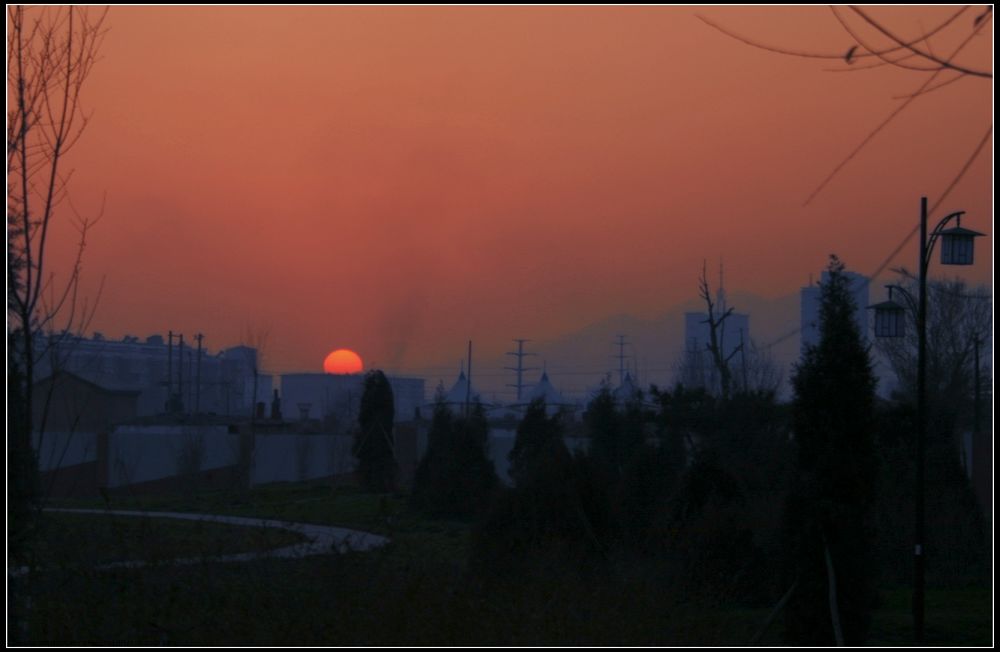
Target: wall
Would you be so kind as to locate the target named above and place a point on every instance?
(139, 454)
(291, 457)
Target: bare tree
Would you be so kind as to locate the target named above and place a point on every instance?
(51, 52)
(256, 339)
(716, 334)
(689, 368)
(872, 44)
(958, 317)
(757, 370)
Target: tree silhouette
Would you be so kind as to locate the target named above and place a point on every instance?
(539, 452)
(50, 54)
(957, 318)
(373, 442)
(828, 533)
(615, 434)
(455, 478)
(874, 39)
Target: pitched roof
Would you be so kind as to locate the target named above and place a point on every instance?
(545, 390)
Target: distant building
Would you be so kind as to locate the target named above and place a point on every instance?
(545, 390)
(77, 416)
(698, 367)
(461, 391)
(810, 303)
(335, 399)
(222, 383)
(627, 391)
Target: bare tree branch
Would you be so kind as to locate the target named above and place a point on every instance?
(894, 62)
(947, 191)
(815, 55)
(871, 135)
(931, 89)
(944, 63)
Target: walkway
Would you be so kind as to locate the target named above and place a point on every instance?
(320, 539)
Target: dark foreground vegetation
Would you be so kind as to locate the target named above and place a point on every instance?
(422, 590)
(689, 518)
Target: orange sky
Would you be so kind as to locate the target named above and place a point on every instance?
(400, 180)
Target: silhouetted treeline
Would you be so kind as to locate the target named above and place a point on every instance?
(730, 501)
(455, 477)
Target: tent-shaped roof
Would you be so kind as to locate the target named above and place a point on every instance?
(460, 391)
(546, 391)
(627, 391)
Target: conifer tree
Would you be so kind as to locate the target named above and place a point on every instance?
(828, 534)
(374, 443)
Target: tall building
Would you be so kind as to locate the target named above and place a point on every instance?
(810, 302)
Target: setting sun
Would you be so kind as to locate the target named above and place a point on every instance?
(343, 361)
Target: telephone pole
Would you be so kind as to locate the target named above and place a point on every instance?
(197, 393)
(520, 368)
(180, 373)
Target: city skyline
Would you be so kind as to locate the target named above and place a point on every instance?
(398, 181)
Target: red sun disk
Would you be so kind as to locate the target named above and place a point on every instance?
(343, 361)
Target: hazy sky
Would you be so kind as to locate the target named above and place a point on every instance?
(399, 180)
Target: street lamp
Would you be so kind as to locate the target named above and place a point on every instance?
(890, 316)
(956, 249)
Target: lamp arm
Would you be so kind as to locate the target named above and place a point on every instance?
(932, 239)
(910, 301)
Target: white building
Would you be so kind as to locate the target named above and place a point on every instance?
(335, 399)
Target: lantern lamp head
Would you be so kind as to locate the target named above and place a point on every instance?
(957, 245)
(890, 318)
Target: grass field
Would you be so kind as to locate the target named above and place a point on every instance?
(88, 540)
(415, 591)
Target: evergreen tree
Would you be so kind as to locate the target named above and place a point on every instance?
(556, 510)
(615, 435)
(828, 534)
(455, 477)
(539, 452)
(373, 442)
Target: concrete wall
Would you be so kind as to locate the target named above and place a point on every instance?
(61, 449)
(141, 453)
(165, 457)
(289, 457)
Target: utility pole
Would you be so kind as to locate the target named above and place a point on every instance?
(170, 371)
(197, 393)
(520, 368)
(468, 383)
(180, 372)
(621, 359)
(977, 401)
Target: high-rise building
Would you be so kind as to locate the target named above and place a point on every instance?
(810, 302)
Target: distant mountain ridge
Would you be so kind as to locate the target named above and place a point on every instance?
(578, 360)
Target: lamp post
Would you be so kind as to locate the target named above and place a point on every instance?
(956, 249)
